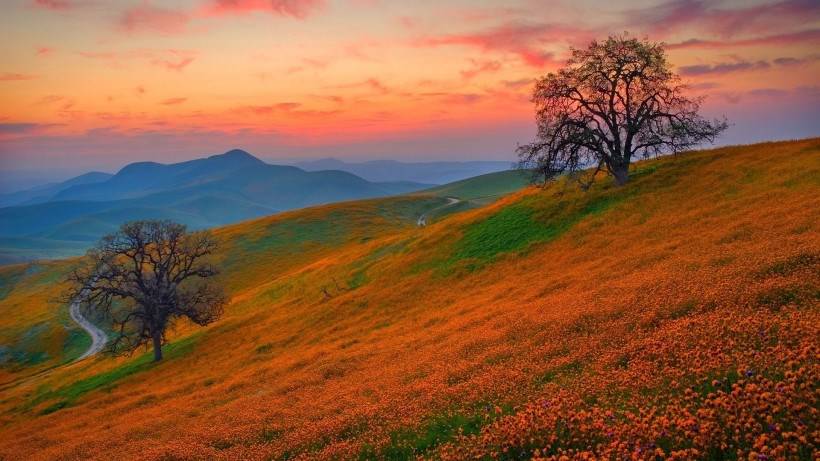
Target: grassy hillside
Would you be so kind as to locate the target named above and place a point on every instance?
(484, 188)
(674, 318)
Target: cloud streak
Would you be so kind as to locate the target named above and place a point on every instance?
(56, 5)
(480, 67)
(15, 77)
(170, 59)
(173, 101)
(706, 16)
(785, 39)
(740, 65)
(723, 68)
(150, 18)
(299, 9)
(526, 41)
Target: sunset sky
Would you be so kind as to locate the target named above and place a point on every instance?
(95, 84)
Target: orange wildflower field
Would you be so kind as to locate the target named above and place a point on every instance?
(673, 318)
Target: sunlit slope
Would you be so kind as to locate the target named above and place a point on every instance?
(676, 314)
(484, 188)
(35, 332)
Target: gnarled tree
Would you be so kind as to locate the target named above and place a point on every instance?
(145, 277)
(613, 102)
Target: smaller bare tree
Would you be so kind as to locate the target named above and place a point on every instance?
(145, 277)
(614, 101)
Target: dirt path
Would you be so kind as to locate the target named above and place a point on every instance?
(422, 221)
(98, 337)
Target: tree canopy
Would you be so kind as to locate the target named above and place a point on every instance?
(144, 278)
(613, 102)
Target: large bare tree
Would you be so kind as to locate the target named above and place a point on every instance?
(146, 276)
(613, 102)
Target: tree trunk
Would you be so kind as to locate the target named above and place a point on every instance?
(157, 337)
(621, 174)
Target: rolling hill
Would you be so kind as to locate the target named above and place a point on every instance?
(676, 317)
(201, 193)
(46, 192)
(423, 172)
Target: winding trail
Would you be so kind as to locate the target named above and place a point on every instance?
(422, 221)
(98, 337)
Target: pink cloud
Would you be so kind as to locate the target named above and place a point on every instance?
(676, 15)
(480, 67)
(288, 109)
(517, 84)
(269, 109)
(308, 63)
(175, 60)
(172, 60)
(740, 65)
(299, 9)
(463, 98)
(330, 98)
(149, 18)
(54, 4)
(14, 77)
(807, 36)
(50, 99)
(371, 83)
(173, 101)
(44, 51)
(523, 40)
(723, 68)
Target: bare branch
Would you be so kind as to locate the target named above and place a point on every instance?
(145, 277)
(614, 101)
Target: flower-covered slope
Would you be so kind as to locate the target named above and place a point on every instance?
(674, 318)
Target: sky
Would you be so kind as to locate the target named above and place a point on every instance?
(96, 84)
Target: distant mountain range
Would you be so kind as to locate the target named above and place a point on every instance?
(392, 170)
(45, 192)
(61, 219)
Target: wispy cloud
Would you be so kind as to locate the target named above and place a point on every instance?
(480, 67)
(527, 41)
(372, 84)
(726, 22)
(518, 84)
(150, 18)
(740, 65)
(24, 128)
(723, 67)
(793, 38)
(299, 9)
(43, 51)
(175, 60)
(13, 77)
(170, 59)
(54, 4)
(173, 101)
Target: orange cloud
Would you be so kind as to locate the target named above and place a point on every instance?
(146, 17)
(673, 16)
(11, 77)
(523, 40)
(299, 9)
(175, 60)
(44, 51)
(173, 101)
(54, 4)
(170, 59)
(480, 67)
